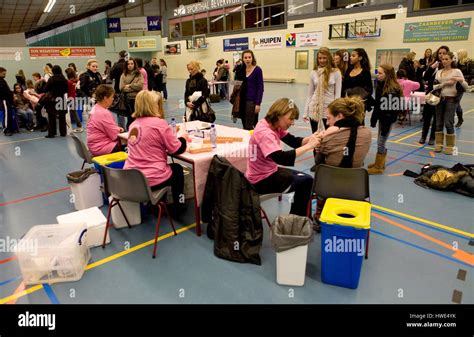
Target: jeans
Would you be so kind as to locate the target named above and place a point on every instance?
(445, 111)
(27, 114)
(165, 91)
(382, 140)
(429, 113)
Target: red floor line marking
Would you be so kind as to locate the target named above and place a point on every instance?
(396, 174)
(432, 154)
(8, 260)
(34, 196)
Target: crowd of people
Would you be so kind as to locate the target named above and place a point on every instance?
(340, 94)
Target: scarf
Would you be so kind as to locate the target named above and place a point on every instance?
(317, 101)
(354, 125)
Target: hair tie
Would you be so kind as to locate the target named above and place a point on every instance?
(291, 103)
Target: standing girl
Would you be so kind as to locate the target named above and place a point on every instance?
(251, 92)
(164, 72)
(324, 87)
(388, 91)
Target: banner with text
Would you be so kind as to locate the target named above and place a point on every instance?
(11, 54)
(237, 44)
(311, 39)
(437, 31)
(267, 42)
(142, 44)
(134, 24)
(61, 52)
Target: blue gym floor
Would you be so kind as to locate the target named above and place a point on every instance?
(411, 259)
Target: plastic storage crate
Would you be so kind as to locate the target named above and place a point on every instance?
(53, 253)
(94, 220)
(113, 160)
(344, 228)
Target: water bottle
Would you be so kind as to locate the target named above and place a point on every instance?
(213, 136)
(173, 125)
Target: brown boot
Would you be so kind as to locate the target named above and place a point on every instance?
(439, 140)
(379, 165)
(450, 142)
(319, 209)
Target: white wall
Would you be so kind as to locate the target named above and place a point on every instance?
(278, 63)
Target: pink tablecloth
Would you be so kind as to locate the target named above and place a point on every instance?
(236, 153)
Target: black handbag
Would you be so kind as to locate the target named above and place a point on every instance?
(460, 89)
(121, 105)
(204, 113)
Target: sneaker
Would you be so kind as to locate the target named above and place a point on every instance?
(78, 130)
(422, 140)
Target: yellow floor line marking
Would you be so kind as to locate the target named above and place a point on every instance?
(432, 223)
(427, 147)
(21, 294)
(100, 262)
(410, 135)
(23, 140)
(140, 246)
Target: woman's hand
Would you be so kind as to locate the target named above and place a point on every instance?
(257, 109)
(190, 105)
(435, 65)
(121, 130)
(306, 119)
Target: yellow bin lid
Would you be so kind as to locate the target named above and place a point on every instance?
(107, 159)
(354, 213)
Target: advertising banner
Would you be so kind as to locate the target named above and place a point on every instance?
(311, 39)
(437, 31)
(46, 52)
(291, 40)
(267, 42)
(154, 23)
(142, 44)
(113, 25)
(237, 44)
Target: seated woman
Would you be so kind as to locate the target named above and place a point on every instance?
(102, 131)
(22, 106)
(346, 142)
(150, 141)
(263, 171)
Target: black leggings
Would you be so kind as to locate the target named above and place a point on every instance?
(176, 181)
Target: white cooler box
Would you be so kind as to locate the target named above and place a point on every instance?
(291, 266)
(95, 221)
(132, 211)
(87, 194)
(53, 253)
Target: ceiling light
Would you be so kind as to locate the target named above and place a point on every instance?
(291, 10)
(49, 6)
(274, 16)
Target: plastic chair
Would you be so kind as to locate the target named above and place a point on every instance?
(131, 185)
(82, 151)
(341, 183)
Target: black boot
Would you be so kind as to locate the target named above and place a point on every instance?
(422, 140)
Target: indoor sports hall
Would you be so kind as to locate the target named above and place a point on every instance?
(421, 239)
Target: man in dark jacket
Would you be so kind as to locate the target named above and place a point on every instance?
(231, 207)
(6, 103)
(55, 89)
(408, 65)
(117, 69)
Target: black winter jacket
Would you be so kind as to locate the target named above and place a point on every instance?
(116, 72)
(409, 68)
(5, 93)
(231, 207)
(196, 83)
(386, 109)
(89, 81)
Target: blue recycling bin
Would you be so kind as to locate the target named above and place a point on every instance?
(344, 228)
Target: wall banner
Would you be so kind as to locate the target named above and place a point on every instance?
(11, 54)
(134, 24)
(238, 44)
(267, 42)
(437, 31)
(173, 49)
(311, 39)
(46, 52)
(142, 44)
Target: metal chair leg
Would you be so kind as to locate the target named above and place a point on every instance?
(107, 224)
(157, 231)
(264, 216)
(169, 216)
(123, 213)
(367, 245)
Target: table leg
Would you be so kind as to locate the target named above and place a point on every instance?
(197, 210)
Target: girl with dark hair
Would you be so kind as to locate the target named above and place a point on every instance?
(429, 111)
(357, 79)
(251, 91)
(341, 60)
(22, 106)
(388, 90)
(131, 83)
(56, 88)
(448, 78)
(164, 73)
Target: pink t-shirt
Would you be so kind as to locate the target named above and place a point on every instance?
(148, 152)
(102, 131)
(145, 78)
(265, 141)
(408, 86)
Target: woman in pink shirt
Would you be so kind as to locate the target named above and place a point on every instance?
(263, 171)
(102, 131)
(150, 141)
